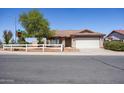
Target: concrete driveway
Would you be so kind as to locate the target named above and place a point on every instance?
(100, 51)
(61, 69)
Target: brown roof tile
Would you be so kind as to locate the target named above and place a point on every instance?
(68, 33)
(65, 33)
(119, 31)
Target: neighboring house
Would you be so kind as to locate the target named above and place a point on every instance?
(116, 35)
(78, 38)
(31, 40)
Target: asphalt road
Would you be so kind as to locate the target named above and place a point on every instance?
(18, 69)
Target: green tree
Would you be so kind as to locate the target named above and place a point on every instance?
(0, 44)
(35, 25)
(7, 35)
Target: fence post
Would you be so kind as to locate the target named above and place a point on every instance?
(3, 46)
(26, 47)
(43, 47)
(61, 47)
(11, 47)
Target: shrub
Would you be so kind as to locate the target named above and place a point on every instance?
(7, 35)
(114, 45)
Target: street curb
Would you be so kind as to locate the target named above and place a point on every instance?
(58, 53)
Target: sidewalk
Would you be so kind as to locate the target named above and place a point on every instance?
(83, 52)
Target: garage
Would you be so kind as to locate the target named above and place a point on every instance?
(87, 42)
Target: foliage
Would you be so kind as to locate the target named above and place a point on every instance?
(39, 34)
(13, 41)
(35, 25)
(21, 40)
(51, 33)
(114, 45)
(7, 35)
(40, 40)
(0, 42)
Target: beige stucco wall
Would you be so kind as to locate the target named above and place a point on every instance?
(101, 42)
(73, 43)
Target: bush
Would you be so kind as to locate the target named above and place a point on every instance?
(114, 45)
(1, 44)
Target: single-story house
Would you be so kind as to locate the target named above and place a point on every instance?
(32, 40)
(78, 38)
(116, 35)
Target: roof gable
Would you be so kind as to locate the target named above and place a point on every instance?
(86, 31)
(117, 31)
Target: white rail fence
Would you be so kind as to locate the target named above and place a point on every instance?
(31, 46)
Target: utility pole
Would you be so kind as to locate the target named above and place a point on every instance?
(15, 29)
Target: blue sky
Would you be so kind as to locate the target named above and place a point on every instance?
(99, 20)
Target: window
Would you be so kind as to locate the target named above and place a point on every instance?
(55, 41)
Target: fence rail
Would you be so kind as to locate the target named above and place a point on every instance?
(26, 46)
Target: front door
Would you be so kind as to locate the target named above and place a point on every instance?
(67, 42)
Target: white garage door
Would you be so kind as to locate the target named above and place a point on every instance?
(87, 43)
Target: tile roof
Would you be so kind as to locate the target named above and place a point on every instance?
(68, 33)
(119, 31)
